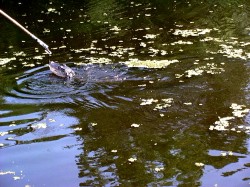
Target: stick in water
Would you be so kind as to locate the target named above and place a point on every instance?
(44, 45)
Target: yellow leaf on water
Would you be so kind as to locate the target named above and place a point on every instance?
(132, 159)
(199, 164)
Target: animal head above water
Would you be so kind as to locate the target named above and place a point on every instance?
(61, 70)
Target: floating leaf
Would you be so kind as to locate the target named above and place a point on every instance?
(135, 125)
(199, 164)
(132, 159)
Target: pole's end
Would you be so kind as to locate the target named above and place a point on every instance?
(48, 51)
(44, 45)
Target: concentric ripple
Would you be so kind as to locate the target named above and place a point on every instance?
(89, 86)
(38, 84)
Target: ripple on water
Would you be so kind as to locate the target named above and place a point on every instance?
(90, 89)
(35, 127)
(40, 86)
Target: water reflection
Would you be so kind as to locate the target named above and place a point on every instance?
(153, 77)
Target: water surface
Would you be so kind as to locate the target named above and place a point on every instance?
(162, 98)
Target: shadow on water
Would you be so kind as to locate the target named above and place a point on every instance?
(161, 96)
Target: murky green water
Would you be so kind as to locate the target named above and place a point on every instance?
(163, 98)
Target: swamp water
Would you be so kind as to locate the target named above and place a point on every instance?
(163, 99)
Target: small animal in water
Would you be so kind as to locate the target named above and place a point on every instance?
(61, 70)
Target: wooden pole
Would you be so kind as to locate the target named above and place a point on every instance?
(44, 45)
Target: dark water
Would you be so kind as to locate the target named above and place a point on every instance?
(163, 98)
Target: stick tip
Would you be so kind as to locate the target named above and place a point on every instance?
(48, 51)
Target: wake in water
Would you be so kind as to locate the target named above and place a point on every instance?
(71, 84)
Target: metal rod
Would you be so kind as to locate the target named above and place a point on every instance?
(44, 45)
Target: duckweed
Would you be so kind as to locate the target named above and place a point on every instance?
(199, 164)
(157, 169)
(6, 60)
(21, 53)
(46, 30)
(165, 104)
(231, 52)
(146, 41)
(40, 57)
(132, 159)
(93, 60)
(239, 110)
(149, 63)
(135, 125)
(181, 42)
(77, 129)
(223, 154)
(115, 28)
(209, 68)
(224, 123)
(51, 9)
(148, 101)
(93, 124)
(150, 36)
(193, 32)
